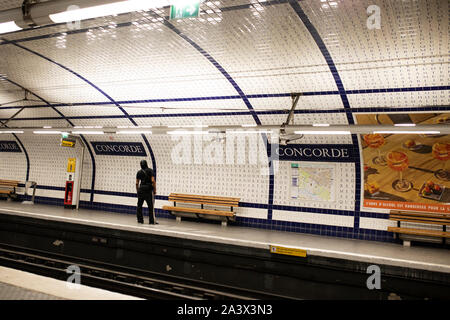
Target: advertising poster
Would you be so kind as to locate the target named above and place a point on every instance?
(406, 171)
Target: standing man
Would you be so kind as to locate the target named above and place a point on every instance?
(146, 189)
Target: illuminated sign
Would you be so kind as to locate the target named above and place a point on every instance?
(185, 9)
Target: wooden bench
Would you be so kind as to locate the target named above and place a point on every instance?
(442, 219)
(201, 212)
(8, 187)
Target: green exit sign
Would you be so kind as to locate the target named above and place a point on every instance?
(185, 9)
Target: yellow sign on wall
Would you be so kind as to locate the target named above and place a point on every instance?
(67, 143)
(288, 251)
(71, 164)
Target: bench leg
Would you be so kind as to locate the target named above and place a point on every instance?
(178, 219)
(224, 223)
(406, 243)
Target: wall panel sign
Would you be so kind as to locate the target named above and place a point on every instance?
(66, 142)
(315, 152)
(131, 149)
(9, 146)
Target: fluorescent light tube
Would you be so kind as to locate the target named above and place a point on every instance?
(47, 132)
(181, 132)
(322, 132)
(407, 132)
(248, 125)
(106, 10)
(88, 132)
(11, 26)
(249, 131)
(405, 124)
(12, 131)
(321, 124)
(133, 132)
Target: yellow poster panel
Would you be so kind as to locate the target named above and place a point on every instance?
(288, 251)
(67, 143)
(407, 171)
(71, 164)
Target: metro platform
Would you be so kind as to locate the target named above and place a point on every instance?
(333, 268)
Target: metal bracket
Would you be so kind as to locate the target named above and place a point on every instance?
(295, 98)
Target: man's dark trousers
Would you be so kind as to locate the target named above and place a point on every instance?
(148, 197)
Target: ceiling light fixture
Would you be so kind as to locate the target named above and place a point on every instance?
(133, 132)
(106, 10)
(322, 132)
(12, 131)
(407, 132)
(88, 132)
(47, 132)
(185, 132)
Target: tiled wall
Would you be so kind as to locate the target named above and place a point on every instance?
(236, 64)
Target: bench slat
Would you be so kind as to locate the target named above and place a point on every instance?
(205, 198)
(212, 200)
(421, 220)
(201, 196)
(199, 211)
(9, 181)
(420, 214)
(420, 232)
(232, 204)
(5, 191)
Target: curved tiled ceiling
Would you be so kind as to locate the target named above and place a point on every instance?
(264, 47)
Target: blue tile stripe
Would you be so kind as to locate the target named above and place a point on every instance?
(271, 95)
(91, 154)
(242, 204)
(62, 117)
(238, 113)
(96, 88)
(26, 156)
(342, 93)
(218, 67)
(242, 96)
(318, 229)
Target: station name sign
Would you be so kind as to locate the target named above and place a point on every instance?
(9, 146)
(315, 152)
(131, 149)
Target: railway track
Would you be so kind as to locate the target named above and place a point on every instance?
(134, 282)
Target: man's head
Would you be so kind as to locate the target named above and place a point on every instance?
(144, 164)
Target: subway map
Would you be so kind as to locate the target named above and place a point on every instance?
(312, 183)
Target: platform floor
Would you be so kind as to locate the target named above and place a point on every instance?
(20, 285)
(9, 292)
(423, 258)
